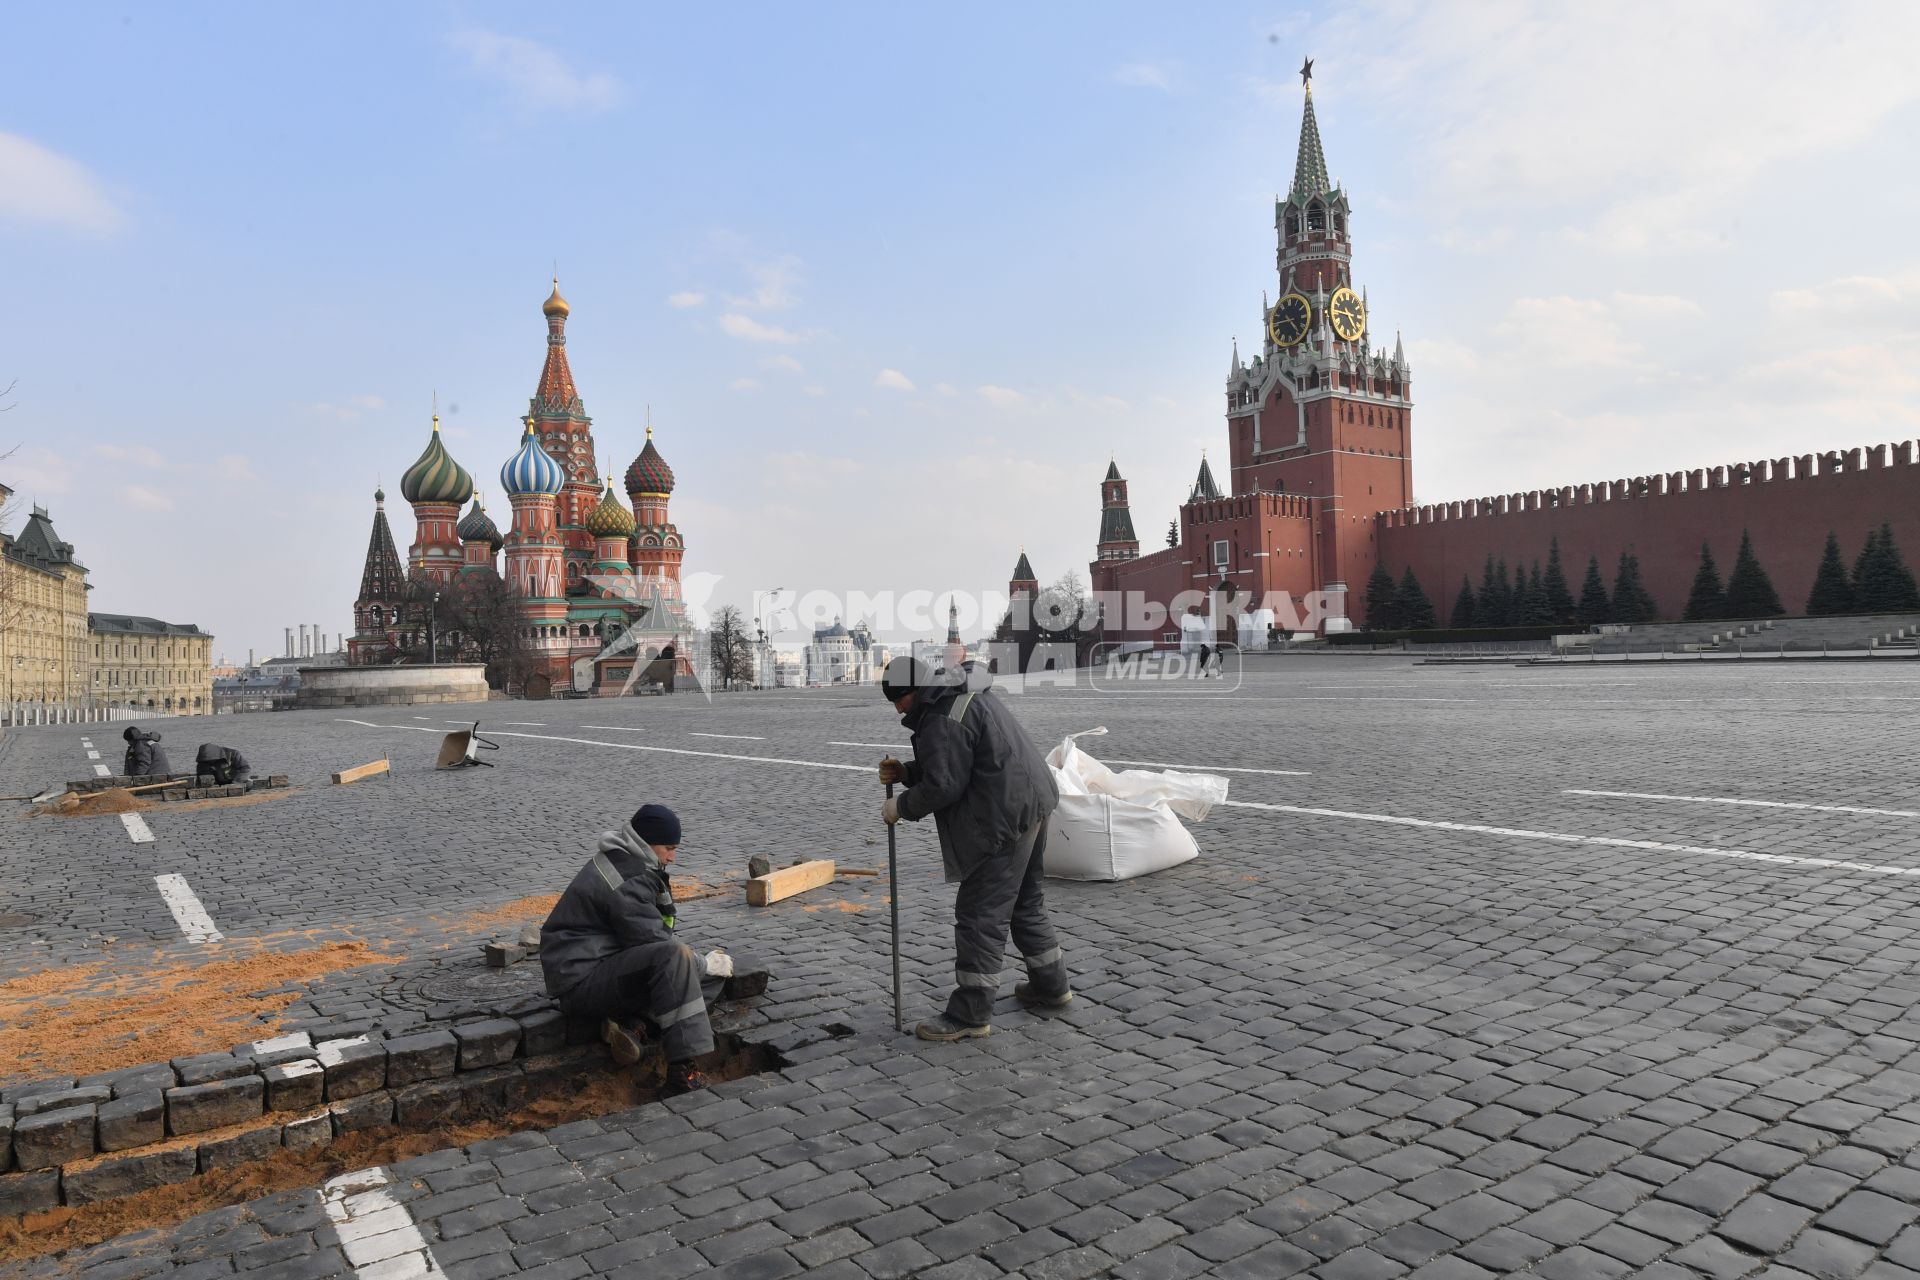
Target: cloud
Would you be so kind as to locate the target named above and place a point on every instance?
(1144, 75)
(813, 391)
(533, 74)
(893, 380)
(785, 362)
(1849, 298)
(1517, 107)
(350, 409)
(1000, 397)
(42, 187)
(773, 283)
(234, 468)
(945, 389)
(746, 327)
(145, 499)
(686, 298)
(140, 455)
(1565, 331)
(39, 470)
(744, 384)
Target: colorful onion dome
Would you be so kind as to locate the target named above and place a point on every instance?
(478, 526)
(436, 477)
(555, 305)
(649, 472)
(610, 519)
(531, 470)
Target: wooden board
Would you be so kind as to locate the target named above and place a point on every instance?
(768, 889)
(360, 771)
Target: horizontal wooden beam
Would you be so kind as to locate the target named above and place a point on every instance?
(768, 889)
(360, 771)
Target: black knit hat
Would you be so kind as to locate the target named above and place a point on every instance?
(903, 676)
(656, 824)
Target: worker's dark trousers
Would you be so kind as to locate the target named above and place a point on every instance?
(659, 981)
(1003, 891)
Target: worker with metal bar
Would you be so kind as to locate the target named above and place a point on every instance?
(989, 791)
(608, 949)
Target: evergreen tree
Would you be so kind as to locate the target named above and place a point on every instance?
(1504, 597)
(1381, 614)
(1463, 605)
(1882, 583)
(1173, 533)
(1486, 609)
(1631, 601)
(1559, 598)
(1832, 591)
(1594, 605)
(1412, 610)
(1708, 599)
(1531, 608)
(1750, 592)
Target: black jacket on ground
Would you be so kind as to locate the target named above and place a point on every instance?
(978, 773)
(622, 898)
(224, 764)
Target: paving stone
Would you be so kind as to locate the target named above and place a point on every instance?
(30, 1192)
(307, 1132)
(430, 1103)
(197, 1108)
(294, 1086)
(247, 1147)
(53, 1138)
(1712, 1189)
(485, 1044)
(204, 1068)
(79, 1096)
(1868, 1216)
(124, 1173)
(424, 1055)
(1826, 1255)
(352, 1067)
(133, 1120)
(359, 1114)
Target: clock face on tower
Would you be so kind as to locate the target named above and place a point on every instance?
(1289, 320)
(1348, 313)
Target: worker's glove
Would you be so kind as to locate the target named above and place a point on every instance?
(892, 771)
(890, 811)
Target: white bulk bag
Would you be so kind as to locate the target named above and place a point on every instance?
(1115, 826)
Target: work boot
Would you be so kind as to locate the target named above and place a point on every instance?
(945, 1029)
(625, 1042)
(1025, 994)
(684, 1077)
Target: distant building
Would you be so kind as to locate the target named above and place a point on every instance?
(150, 665)
(841, 655)
(43, 614)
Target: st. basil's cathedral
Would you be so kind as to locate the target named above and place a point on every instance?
(582, 568)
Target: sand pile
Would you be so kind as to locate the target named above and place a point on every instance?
(77, 1020)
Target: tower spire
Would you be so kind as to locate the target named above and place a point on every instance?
(1310, 167)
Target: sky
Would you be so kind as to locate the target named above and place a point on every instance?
(895, 283)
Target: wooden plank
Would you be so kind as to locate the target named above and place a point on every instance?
(768, 889)
(360, 771)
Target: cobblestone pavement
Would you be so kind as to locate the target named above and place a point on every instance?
(1499, 982)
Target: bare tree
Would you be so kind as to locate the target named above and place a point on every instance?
(483, 612)
(730, 648)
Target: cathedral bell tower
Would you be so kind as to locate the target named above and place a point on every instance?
(1320, 413)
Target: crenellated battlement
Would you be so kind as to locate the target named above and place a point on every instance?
(1808, 466)
(1290, 506)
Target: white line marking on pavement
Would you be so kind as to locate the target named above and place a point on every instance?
(531, 724)
(684, 751)
(612, 728)
(1214, 768)
(101, 771)
(1561, 837)
(1758, 804)
(738, 737)
(377, 1232)
(93, 755)
(884, 746)
(371, 725)
(187, 911)
(137, 829)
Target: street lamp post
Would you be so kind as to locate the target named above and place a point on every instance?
(433, 640)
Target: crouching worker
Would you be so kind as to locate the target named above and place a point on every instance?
(977, 774)
(222, 764)
(608, 949)
(145, 757)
